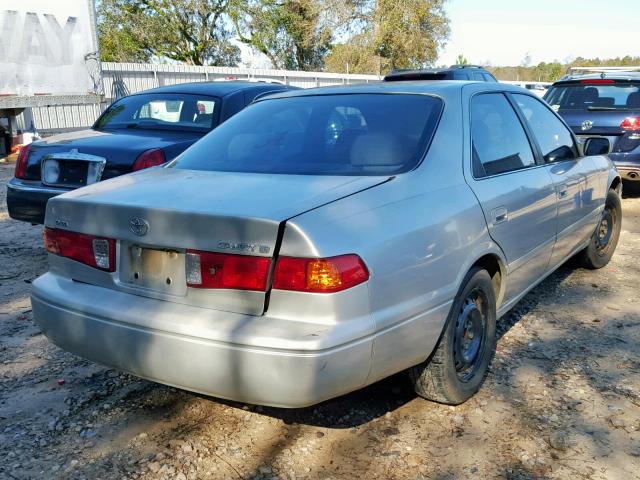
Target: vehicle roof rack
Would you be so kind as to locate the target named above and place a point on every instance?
(603, 69)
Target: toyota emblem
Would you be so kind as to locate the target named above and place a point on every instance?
(139, 226)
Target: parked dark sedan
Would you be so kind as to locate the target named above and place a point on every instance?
(135, 132)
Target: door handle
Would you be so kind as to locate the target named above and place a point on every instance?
(562, 191)
(499, 215)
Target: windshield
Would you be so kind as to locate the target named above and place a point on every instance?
(352, 134)
(613, 96)
(161, 111)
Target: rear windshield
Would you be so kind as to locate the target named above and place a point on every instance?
(615, 96)
(156, 111)
(352, 134)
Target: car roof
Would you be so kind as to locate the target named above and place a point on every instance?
(216, 89)
(452, 68)
(416, 74)
(424, 87)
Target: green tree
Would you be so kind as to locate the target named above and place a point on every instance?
(189, 31)
(550, 72)
(462, 60)
(120, 41)
(354, 57)
(293, 34)
(394, 33)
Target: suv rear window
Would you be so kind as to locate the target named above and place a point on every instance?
(593, 97)
(348, 134)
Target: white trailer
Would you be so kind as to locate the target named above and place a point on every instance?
(48, 55)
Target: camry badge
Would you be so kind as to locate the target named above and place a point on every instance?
(587, 125)
(139, 226)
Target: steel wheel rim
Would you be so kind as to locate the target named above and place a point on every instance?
(605, 229)
(470, 335)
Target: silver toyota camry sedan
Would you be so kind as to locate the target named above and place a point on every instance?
(324, 239)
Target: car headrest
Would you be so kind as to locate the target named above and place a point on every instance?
(204, 119)
(378, 150)
(633, 101)
(590, 94)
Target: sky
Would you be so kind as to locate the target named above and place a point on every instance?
(503, 32)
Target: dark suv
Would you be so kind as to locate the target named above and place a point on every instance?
(607, 104)
(454, 72)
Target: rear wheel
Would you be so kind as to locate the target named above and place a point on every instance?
(457, 368)
(605, 238)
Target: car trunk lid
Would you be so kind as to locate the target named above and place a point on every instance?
(159, 214)
(82, 157)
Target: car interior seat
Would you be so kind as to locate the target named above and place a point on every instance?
(633, 101)
(379, 151)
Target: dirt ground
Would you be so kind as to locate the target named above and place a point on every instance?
(562, 399)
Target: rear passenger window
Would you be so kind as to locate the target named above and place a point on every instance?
(498, 139)
(554, 138)
(478, 77)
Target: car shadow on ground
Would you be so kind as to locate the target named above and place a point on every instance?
(389, 394)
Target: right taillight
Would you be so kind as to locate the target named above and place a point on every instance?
(319, 275)
(148, 159)
(221, 270)
(21, 163)
(631, 124)
(97, 252)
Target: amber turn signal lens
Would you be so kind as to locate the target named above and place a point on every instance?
(319, 275)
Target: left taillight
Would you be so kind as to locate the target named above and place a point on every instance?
(220, 270)
(631, 124)
(97, 252)
(21, 163)
(150, 158)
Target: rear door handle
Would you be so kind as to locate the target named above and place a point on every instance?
(562, 191)
(499, 215)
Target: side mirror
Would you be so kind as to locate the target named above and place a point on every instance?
(596, 146)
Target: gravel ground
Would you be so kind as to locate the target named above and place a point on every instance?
(562, 399)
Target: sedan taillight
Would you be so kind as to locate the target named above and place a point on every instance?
(97, 252)
(319, 275)
(221, 270)
(150, 158)
(21, 163)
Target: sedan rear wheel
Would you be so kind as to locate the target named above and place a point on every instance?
(459, 364)
(605, 238)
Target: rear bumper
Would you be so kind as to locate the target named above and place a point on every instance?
(628, 164)
(105, 326)
(27, 200)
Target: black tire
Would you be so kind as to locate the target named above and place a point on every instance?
(453, 373)
(605, 238)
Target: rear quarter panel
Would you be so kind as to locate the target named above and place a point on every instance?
(418, 234)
